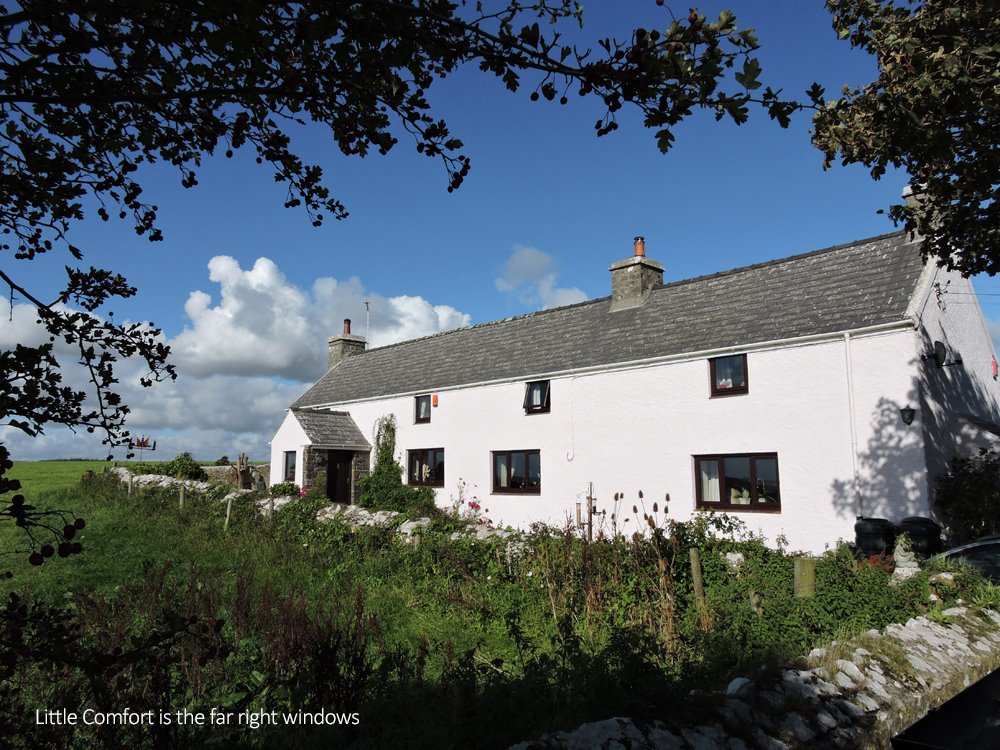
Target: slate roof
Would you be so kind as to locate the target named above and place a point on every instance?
(335, 429)
(842, 288)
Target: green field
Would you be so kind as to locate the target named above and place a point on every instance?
(38, 478)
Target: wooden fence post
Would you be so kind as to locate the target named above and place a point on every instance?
(805, 577)
(699, 589)
(229, 509)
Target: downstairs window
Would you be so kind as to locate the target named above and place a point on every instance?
(426, 467)
(737, 482)
(517, 472)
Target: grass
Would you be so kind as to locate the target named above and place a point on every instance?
(545, 635)
(38, 478)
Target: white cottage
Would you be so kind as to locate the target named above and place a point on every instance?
(796, 394)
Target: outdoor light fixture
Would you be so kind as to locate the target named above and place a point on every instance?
(907, 413)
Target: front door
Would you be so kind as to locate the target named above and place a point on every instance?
(338, 476)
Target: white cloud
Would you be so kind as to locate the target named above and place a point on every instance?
(263, 325)
(249, 351)
(529, 275)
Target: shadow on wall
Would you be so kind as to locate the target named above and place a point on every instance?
(898, 471)
(891, 466)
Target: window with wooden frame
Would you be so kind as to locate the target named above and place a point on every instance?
(288, 470)
(737, 482)
(422, 409)
(425, 467)
(536, 397)
(729, 375)
(517, 472)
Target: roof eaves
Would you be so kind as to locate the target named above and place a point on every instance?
(790, 343)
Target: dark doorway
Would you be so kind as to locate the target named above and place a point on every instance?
(338, 476)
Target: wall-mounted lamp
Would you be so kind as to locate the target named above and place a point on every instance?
(907, 413)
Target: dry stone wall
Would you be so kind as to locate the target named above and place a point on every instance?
(858, 701)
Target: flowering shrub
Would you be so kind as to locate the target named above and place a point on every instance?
(468, 507)
(882, 561)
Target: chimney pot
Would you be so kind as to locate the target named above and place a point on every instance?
(343, 346)
(634, 278)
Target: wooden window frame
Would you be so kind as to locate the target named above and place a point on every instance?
(756, 505)
(524, 490)
(417, 419)
(546, 404)
(285, 466)
(734, 390)
(433, 480)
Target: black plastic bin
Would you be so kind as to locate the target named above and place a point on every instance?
(874, 535)
(924, 533)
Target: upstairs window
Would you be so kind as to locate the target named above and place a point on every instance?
(517, 472)
(738, 482)
(729, 375)
(426, 467)
(536, 397)
(422, 409)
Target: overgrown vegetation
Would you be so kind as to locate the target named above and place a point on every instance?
(182, 466)
(383, 489)
(506, 638)
(968, 497)
(282, 489)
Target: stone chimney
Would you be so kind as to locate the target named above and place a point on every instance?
(344, 345)
(634, 278)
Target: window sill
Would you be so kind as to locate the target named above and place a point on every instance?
(739, 509)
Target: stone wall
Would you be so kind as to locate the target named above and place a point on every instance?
(850, 696)
(227, 474)
(360, 468)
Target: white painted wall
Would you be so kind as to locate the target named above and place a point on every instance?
(949, 393)
(289, 437)
(638, 429)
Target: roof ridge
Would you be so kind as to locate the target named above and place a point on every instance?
(484, 324)
(779, 261)
(672, 284)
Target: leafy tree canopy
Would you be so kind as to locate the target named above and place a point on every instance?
(934, 110)
(91, 90)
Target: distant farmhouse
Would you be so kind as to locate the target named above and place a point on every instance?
(795, 394)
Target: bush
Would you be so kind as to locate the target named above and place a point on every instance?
(181, 467)
(224, 461)
(282, 489)
(185, 467)
(968, 497)
(383, 489)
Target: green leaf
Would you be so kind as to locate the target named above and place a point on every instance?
(664, 140)
(748, 78)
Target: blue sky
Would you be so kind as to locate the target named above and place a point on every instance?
(247, 291)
